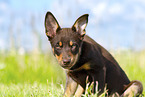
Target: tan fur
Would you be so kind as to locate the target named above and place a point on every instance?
(133, 89)
(70, 88)
(86, 66)
(71, 43)
(60, 43)
(59, 58)
(53, 50)
(79, 91)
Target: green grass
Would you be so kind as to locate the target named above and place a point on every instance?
(40, 75)
(33, 90)
(29, 68)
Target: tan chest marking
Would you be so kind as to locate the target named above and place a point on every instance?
(86, 66)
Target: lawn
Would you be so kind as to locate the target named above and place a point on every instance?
(40, 75)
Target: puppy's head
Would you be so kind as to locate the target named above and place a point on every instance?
(66, 42)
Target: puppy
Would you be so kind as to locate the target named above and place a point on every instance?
(82, 58)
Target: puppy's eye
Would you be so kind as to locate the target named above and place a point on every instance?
(58, 45)
(73, 47)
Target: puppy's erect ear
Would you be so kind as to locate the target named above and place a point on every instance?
(80, 24)
(51, 25)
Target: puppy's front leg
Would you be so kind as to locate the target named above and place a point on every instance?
(79, 91)
(70, 87)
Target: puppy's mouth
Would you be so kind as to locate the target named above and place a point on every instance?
(67, 65)
(70, 64)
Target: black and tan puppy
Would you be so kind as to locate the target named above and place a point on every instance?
(83, 58)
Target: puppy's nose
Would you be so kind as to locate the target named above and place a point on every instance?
(66, 61)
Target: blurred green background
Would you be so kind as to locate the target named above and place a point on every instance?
(27, 66)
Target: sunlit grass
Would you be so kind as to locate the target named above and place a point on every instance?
(33, 90)
(29, 68)
(40, 75)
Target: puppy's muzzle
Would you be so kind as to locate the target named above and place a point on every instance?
(66, 61)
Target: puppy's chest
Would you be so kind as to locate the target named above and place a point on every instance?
(79, 76)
